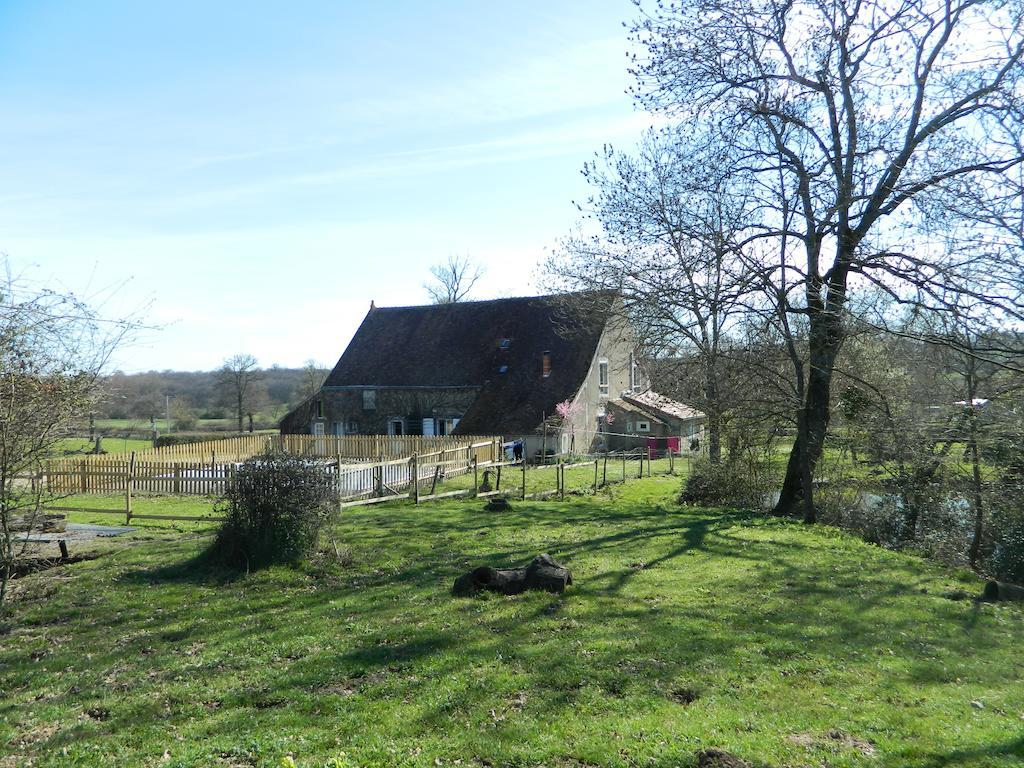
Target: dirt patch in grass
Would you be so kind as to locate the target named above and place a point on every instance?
(834, 739)
(101, 714)
(718, 758)
(37, 564)
(352, 684)
(684, 696)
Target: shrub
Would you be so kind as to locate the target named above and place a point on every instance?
(732, 484)
(274, 511)
(184, 438)
(1005, 560)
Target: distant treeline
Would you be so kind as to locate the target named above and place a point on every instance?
(191, 396)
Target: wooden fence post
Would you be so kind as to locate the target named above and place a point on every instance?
(641, 465)
(129, 481)
(84, 477)
(604, 470)
(524, 478)
(671, 461)
(177, 477)
(561, 480)
(378, 478)
(476, 485)
(596, 462)
(415, 479)
(497, 480)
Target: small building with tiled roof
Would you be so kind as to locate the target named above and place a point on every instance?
(638, 417)
(495, 367)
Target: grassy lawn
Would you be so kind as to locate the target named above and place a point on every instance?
(110, 445)
(183, 506)
(686, 629)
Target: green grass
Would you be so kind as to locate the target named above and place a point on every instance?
(183, 506)
(785, 634)
(110, 445)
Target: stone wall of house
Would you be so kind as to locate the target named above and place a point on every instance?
(372, 411)
(624, 373)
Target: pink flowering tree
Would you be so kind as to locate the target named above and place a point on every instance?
(568, 410)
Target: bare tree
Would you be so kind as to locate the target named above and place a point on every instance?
(667, 248)
(453, 280)
(313, 375)
(238, 379)
(852, 117)
(53, 349)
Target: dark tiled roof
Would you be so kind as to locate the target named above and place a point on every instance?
(460, 345)
(666, 406)
(628, 407)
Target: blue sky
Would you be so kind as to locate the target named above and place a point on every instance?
(261, 171)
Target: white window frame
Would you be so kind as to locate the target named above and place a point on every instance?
(643, 426)
(369, 399)
(391, 426)
(632, 372)
(602, 377)
(318, 428)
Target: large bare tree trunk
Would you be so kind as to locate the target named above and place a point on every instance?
(714, 418)
(813, 418)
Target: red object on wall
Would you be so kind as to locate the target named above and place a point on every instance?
(656, 445)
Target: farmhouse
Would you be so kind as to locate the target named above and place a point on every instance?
(496, 367)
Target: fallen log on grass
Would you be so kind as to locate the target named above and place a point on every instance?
(543, 573)
(997, 591)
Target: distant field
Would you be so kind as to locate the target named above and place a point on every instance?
(109, 444)
(215, 425)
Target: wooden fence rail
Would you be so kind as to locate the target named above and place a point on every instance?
(355, 474)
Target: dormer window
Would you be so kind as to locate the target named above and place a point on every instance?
(545, 364)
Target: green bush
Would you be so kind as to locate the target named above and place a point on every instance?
(274, 511)
(183, 438)
(1005, 560)
(729, 484)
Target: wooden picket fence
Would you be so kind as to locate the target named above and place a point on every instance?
(370, 447)
(209, 474)
(415, 478)
(213, 453)
(226, 449)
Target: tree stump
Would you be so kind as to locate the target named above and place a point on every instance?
(996, 591)
(485, 485)
(543, 573)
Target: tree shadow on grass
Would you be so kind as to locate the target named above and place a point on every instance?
(203, 568)
(1009, 748)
